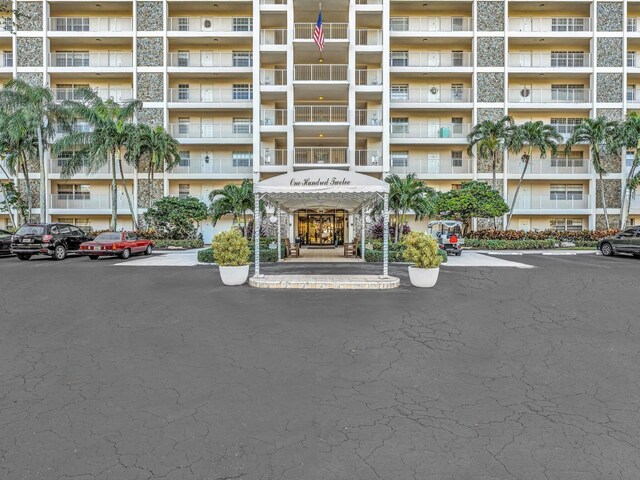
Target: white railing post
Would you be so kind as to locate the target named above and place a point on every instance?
(256, 234)
(385, 237)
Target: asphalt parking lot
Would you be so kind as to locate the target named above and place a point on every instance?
(162, 373)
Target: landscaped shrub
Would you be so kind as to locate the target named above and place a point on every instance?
(443, 255)
(168, 244)
(267, 255)
(377, 256)
(511, 244)
(421, 250)
(585, 235)
(377, 231)
(230, 249)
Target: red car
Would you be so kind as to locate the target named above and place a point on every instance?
(111, 244)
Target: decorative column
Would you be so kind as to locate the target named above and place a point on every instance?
(385, 237)
(362, 229)
(256, 234)
(279, 234)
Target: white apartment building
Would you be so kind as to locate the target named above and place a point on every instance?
(242, 85)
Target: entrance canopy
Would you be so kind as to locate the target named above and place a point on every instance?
(321, 189)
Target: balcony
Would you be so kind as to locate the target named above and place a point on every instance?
(332, 31)
(369, 77)
(550, 60)
(216, 165)
(276, 77)
(91, 24)
(369, 160)
(433, 95)
(232, 132)
(237, 96)
(368, 118)
(91, 60)
(635, 204)
(242, 60)
(116, 94)
(321, 114)
(546, 202)
(432, 165)
(553, 166)
(78, 127)
(6, 60)
(633, 24)
(321, 157)
(549, 25)
(56, 166)
(431, 60)
(273, 36)
(567, 96)
(431, 131)
(275, 159)
(368, 37)
(321, 73)
(216, 25)
(273, 117)
(69, 201)
(421, 25)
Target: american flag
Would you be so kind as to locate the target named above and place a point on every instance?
(318, 33)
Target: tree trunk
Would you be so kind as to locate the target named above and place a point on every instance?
(244, 220)
(25, 171)
(149, 185)
(515, 195)
(43, 183)
(6, 198)
(126, 192)
(628, 208)
(396, 233)
(114, 193)
(604, 202)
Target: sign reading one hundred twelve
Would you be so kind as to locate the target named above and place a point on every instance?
(328, 182)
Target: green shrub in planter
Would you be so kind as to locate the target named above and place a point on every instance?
(267, 255)
(230, 249)
(421, 250)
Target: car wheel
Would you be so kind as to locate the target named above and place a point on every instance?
(606, 249)
(59, 253)
(148, 250)
(126, 253)
(24, 256)
(93, 257)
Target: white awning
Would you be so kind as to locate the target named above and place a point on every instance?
(321, 189)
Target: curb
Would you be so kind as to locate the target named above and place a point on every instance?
(539, 252)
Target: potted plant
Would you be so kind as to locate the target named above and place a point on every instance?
(231, 253)
(422, 252)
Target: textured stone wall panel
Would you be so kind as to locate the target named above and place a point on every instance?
(150, 52)
(29, 52)
(611, 163)
(610, 15)
(614, 221)
(32, 78)
(35, 191)
(612, 114)
(609, 88)
(610, 52)
(490, 52)
(485, 165)
(29, 16)
(151, 116)
(612, 193)
(489, 114)
(157, 191)
(150, 17)
(150, 87)
(490, 87)
(491, 16)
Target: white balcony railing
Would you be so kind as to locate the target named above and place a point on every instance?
(368, 37)
(548, 202)
(332, 31)
(273, 2)
(86, 59)
(432, 95)
(211, 95)
(431, 59)
(368, 158)
(270, 117)
(431, 24)
(78, 127)
(204, 164)
(368, 117)
(555, 95)
(273, 36)
(273, 157)
(321, 114)
(554, 166)
(550, 60)
(368, 2)
(430, 130)
(87, 202)
(434, 165)
(211, 24)
(550, 24)
(90, 24)
(273, 76)
(321, 156)
(211, 59)
(105, 93)
(369, 77)
(56, 166)
(635, 203)
(212, 131)
(321, 73)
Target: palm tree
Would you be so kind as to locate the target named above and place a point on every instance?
(629, 137)
(234, 200)
(110, 126)
(41, 114)
(602, 137)
(490, 138)
(527, 137)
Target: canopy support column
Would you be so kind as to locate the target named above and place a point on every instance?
(256, 234)
(385, 237)
(363, 231)
(279, 234)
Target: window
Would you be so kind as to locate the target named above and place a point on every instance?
(78, 24)
(456, 186)
(242, 24)
(242, 59)
(630, 158)
(64, 157)
(567, 24)
(565, 126)
(183, 125)
(399, 159)
(399, 24)
(242, 159)
(242, 91)
(457, 24)
(399, 93)
(183, 92)
(567, 59)
(632, 24)
(8, 59)
(566, 224)
(631, 93)
(565, 192)
(183, 24)
(183, 190)
(456, 158)
(457, 92)
(6, 24)
(457, 58)
(456, 126)
(400, 59)
(400, 125)
(631, 59)
(83, 223)
(185, 158)
(74, 191)
(183, 58)
(242, 126)
(574, 159)
(72, 59)
(567, 93)
(68, 91)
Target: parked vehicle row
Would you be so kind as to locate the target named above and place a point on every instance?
(57, 240)
(627, 241)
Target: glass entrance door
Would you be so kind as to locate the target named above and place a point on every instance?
(321, 230)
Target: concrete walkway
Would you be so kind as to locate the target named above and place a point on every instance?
(325, 282)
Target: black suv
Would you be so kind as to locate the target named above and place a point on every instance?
(53, 239)
(5, 242)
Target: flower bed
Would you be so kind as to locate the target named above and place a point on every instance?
(583, 235)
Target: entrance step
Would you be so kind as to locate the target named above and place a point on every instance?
(323, 282)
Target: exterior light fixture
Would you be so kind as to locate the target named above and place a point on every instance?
(273, 219)
(207, 158)
(368, 219)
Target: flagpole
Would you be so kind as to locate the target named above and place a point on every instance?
(320, 7)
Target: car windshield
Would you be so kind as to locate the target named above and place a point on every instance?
(109, 237)
(30, 230)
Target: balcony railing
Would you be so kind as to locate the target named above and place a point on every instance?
(273, 36)
(368, 117)
(554, 24)
(57, 165)
(211, 95)
(85, 59)
(90, 24)
(547, 202)
(432, 95)
(321, 73)
(70, 201)
(368, 158)
(635, 203)
(321, 114)
(210, 59)
(555, 95)
(204, 164)
(554, 166)
(431, 130)
(78, 127)
(332, 31)
(105, 93)
(321, 156)
(431, 59)
(368, 2)
(273, 2)
(273, 76)
(550, 60)
(368, 37)
(431, 24)
(211, 24)
(273, 117)
(433, 166)
(212, 131)
(369, 77)
(273, 158)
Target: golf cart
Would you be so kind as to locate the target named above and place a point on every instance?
(448, 234)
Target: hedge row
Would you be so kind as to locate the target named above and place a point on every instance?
(267, 255)
(376, 256)
(192, 243)
(584, 235)
(510, 244)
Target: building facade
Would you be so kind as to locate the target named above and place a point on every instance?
(244, 88)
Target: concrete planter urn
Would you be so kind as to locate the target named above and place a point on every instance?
(234, 276)
(423, 277)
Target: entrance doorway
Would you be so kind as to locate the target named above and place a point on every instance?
(321, 229)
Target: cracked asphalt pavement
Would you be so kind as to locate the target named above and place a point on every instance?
(162, 373)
